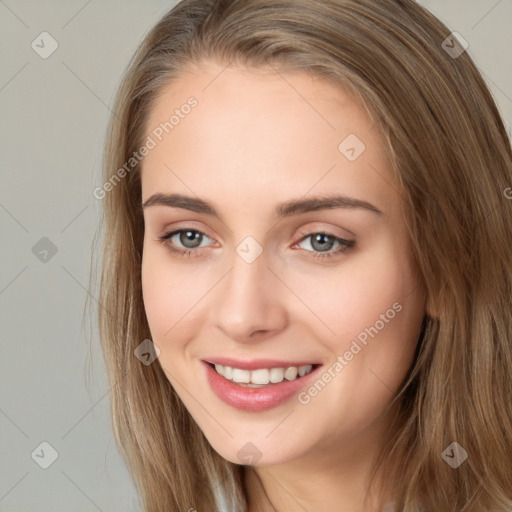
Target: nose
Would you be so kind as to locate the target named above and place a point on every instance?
(250, 304)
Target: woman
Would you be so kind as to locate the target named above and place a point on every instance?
(307, 276)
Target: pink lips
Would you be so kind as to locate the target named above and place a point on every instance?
(256, 399)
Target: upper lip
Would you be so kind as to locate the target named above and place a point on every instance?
(255, 364)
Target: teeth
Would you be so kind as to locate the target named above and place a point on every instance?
(263, 376)
(228, 372)
(258, 376)
(275, 375)
(241, 376)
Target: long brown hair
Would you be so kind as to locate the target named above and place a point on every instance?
(452, 158)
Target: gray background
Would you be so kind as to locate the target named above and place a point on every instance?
(53, 118)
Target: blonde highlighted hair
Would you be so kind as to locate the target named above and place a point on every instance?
(453, 161)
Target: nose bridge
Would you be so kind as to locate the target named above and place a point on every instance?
(248, 300)
(247, 279)
(249, 269)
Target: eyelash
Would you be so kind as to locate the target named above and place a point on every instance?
(346, 245)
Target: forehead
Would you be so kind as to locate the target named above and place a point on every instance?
(262, 133)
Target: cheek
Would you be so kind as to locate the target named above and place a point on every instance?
(166, 293)
(165, 300)
(376, 317)
(174, 298)
(352, 296)
(373, 309)
(156, 293)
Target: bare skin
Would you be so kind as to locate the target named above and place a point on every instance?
(257, 139)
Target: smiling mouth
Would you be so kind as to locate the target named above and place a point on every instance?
(263, 377)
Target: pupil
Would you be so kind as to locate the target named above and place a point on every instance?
(322, 245)
(191, 236)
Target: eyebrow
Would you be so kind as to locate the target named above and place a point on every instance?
(286, 209)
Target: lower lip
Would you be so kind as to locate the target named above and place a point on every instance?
(255, 399)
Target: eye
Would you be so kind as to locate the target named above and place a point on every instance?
(190, 238)
(324, 242)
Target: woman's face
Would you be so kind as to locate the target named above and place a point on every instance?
(266, 276)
